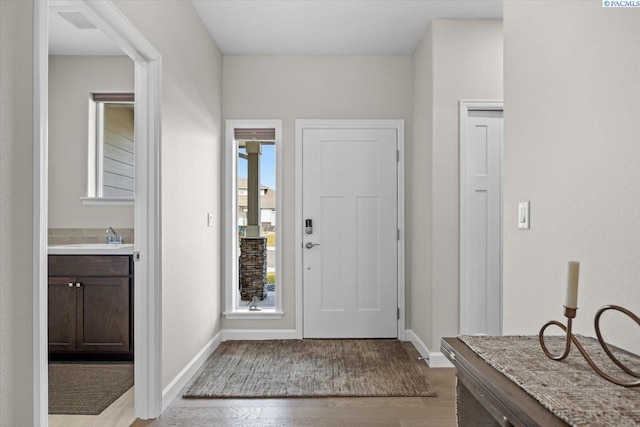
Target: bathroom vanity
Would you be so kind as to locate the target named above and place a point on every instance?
(90, 303)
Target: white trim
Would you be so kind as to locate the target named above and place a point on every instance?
(439, 360)
(434, 359)
(231, 308)
(92, 137)
(401, 227)
(417, 343)
(108, 18)
(246, 314)
(147, 304)
(95, 157)
(103, 201)
(172, 390)
(258, 334)
(40, 209)
(396, 124)
(464, 107)
(98, 160)
(298, 228)
(148, 242)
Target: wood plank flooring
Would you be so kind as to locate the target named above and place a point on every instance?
(299, 412)
(322, 412)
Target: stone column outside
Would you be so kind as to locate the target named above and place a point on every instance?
(253, 268)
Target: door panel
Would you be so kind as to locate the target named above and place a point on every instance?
(334, 258)
(350, 193)
(481, 281)
(368, 286)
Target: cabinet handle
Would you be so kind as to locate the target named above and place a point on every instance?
(78, 284)
(70, 284)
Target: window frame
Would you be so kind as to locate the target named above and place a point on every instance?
(95, 149)
(232, 310)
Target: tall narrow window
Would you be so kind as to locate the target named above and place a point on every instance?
(111, 147)
(253, 273)
(256, 185)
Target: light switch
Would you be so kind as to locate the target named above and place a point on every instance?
(209, 219)
(523, 215)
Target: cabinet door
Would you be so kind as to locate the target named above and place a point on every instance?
(62, 314)
(103, 314)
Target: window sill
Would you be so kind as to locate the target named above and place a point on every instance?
(103, 201)
(246, 314)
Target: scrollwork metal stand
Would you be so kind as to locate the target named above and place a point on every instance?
(570, 314)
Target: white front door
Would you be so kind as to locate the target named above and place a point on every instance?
(481, 223)
(350, 261)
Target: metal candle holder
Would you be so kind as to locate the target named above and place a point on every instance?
(570, 314)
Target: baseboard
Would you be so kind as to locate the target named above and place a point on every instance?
(439, 360)
(259, 334)
(173, 389)
(411, 336)
(434, 359)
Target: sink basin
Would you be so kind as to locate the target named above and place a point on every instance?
(92, 248)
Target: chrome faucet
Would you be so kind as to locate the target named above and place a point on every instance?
(115, 238)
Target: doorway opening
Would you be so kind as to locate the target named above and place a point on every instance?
(146, 212)
(91, 225)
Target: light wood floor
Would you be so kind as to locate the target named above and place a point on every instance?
(323, 412)
(121, 413)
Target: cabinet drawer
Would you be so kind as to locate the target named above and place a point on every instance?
(89, 265)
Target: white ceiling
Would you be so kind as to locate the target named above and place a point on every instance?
(66, 39)
(295, 27)
(330, 27)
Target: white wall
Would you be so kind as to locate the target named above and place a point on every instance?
(72, 79)
(318, 87)
(191, 157)
(456, 59)
(16, 229)
(572, 147)
(418, 198)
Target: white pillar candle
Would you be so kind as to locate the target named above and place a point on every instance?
(573, 270)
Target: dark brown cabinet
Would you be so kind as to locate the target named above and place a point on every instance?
(90, 305)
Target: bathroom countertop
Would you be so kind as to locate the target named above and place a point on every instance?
(92, 249)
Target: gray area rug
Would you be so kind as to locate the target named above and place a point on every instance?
(310, 368)
(570, 389)
(87, 389)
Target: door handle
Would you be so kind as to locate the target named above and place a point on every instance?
(310, 245)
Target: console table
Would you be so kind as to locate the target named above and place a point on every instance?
(485, 397)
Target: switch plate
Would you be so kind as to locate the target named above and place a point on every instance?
(523, 215)
(209, 219)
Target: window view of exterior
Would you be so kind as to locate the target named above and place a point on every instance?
(256, 219)
(118, 160)
(111, 169)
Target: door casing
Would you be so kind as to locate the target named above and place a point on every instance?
(147, 214)
(464, 107)
(302, 124)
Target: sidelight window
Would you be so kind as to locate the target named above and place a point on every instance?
(253, 273)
